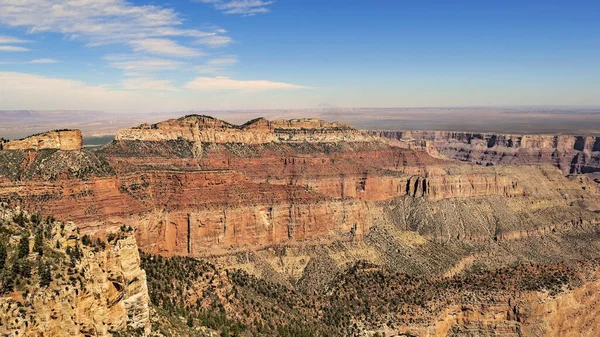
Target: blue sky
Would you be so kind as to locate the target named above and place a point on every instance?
(135, 56)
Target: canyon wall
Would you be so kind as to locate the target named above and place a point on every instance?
(66, 140)
(571, 154)
(200, 186)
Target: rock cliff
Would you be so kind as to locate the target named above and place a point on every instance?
(67, 284)
(192, 186)
(204, 129)
(571, 154)
(305, 227)
(66, 140)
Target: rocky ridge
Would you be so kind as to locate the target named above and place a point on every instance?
(571, 154)
(205, 129)
(65, 140)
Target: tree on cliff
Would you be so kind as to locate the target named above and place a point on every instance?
(38, 246)
(23, 248)
(2, 255)
(44, 273)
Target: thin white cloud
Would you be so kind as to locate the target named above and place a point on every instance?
(164, 47)
(146, 83)
(133, 64)
(221, 83)
(43, 61)
(241, 7)
(13, 48)
(11, 40)
(39, 92)
(215, 41)
(21, 91)
(217, 65)
(98, 22)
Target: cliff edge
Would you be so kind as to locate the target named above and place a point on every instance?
(206, 129)
(571, 154)
(66, 140)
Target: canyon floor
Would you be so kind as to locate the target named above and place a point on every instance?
(300, 228)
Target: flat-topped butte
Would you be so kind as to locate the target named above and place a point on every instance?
(206, 129)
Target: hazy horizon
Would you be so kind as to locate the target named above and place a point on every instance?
(524, 120)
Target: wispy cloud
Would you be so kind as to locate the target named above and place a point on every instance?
(221, 83)
(135, 64)
(164, 47)
(11, 40)
(215, 41)
(241, 7)
(147, 83)
(43, 61)
(217, 65)
(98, 22)
(40, 92)
(12, 48)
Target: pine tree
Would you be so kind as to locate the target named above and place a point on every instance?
(38, 246)
(23, 248)
(2, 255)
(44, 273)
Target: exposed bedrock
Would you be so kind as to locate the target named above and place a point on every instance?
(571, 154)
(66, 140)
(205, 129)
(190, 197)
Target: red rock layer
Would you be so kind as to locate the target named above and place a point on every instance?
(190, 197)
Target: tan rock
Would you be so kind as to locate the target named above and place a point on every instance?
(66, 140)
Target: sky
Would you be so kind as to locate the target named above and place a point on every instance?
(173, 55)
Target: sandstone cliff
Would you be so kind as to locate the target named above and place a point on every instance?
(311, 234)
(66, 140)
(229, 196)
(205, 129)
(571, 154)
(66, 284)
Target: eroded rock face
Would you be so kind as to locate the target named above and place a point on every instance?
(295, 205)
(66, 140)
(571, 154)
(193, 190)
(94, 288)
(205, 129)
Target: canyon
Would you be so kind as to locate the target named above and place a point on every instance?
(571, 154)
(308, 207)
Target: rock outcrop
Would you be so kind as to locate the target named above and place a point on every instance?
(571, 154)
(205, 129)
(80, 287)
(66, 140)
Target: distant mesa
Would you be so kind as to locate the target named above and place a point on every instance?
(66, 140)
(206, 129)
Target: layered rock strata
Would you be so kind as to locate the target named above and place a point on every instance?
(192, 186)
(66, 140)
(571, 154)
(205, 129)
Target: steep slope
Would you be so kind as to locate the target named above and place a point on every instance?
(55, 282)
